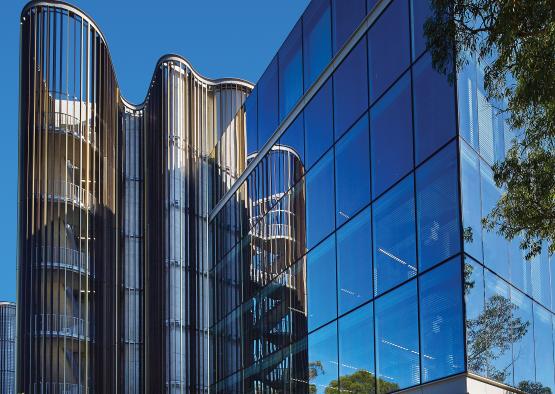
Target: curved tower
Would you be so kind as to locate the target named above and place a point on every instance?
(7, 347)
(113, 208)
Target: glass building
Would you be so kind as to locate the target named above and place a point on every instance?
(317, 232)
(7, 347)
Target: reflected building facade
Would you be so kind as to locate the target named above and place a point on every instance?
(317, 232)
(7, 347)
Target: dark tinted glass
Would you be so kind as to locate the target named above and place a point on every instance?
(321, 284)
(316, 39)
(320, 204)
(352, 171)
(523, 347)
(356, 351)
(268, 103)
(397, 349)
(290, 71)
(438, 207)
(421, 11)
(394, 236)
(347, 15)
(441, 321)
(471, 201)
(370, 5)
(388, 47)
(350, 94)
(354, 262)
(497, 308)
(474, 302)
(294, 138)
(251, 109)
(543, 339)
(434, 108)
(391, 136)
(319, 124)
(322, 360)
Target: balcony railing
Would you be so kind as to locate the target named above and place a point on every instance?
(60, 325)
(64, 258)
(59, 122)
(59, 388)
(67, 191)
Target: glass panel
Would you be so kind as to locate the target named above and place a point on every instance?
(438, 208)
(543, 340)
(471, 202)
(391, 137)
(352, 171)
(290, 71)
(494, 334)
(316, 39)
(434, 108)
(370, 5)
(397, 351)
(388, 47)
(322, 359)
(475, 323)
(523, 347)
(251, 109)
(541, 281)
(354, 262)
(319, 124)
(294, 138)
(347, 15)
(350, 94)
(421, 11)
(496, 247)
(268, 103)
(321, 284)
(441, 321)
(468, 110)
(356, 351)
(394, 236)
(320, 204)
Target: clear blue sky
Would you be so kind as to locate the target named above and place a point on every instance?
(221, 38)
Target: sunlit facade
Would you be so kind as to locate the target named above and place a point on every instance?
(317, 232)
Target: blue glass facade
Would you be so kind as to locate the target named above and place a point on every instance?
(381, 278)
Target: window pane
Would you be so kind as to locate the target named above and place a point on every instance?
(251, 109)
(322, 359)
(320, 204)
(441, 321)
(391, 137)
(475, 328)
(394, 236)
(438, 208)
(471, 201)
(350, 94)
(293, 138)
(421, 11)
(318, 115)
(267, 103)
(543, 339)
(434, 108)
(290, 71)
(354, 262)
(321, 284)
(316, 39)
(352, 171)
(495, 328)
(397, 364)
(356, 351)
(347, 15)
(523, 347)
(496, 247)
(388, 47)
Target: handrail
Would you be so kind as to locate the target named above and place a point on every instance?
(60, 325)
(62, 257)
(59, 388)
(63, 123)
(71, 192)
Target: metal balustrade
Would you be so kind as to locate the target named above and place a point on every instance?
(67, 191)
(63, 123)
(60, 325)
(61, 257)
(59, 388)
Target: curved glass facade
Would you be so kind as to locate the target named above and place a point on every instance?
(7, 347)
